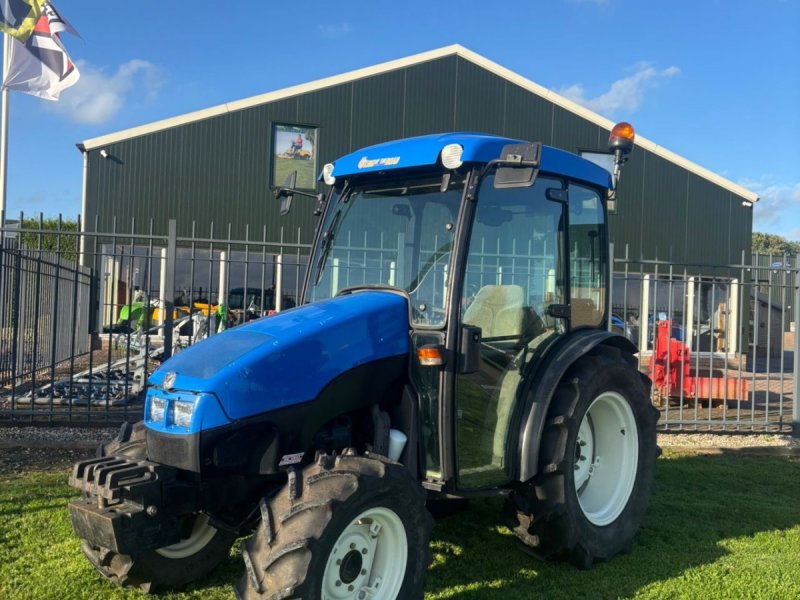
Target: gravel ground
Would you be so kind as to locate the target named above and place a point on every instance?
(25, 449)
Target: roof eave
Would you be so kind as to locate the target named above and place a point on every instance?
(454, 49)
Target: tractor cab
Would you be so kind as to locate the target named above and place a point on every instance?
(500, 247)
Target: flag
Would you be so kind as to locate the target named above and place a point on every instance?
(19, 17)
(41, 66)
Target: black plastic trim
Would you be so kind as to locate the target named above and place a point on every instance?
(541, 383)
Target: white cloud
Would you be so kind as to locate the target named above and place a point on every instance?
(335, 31)
(778, 208)
(626, 94)
(98, 95)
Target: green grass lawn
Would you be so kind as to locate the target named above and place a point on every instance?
(719, 527)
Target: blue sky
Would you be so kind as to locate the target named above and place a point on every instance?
(717, 81)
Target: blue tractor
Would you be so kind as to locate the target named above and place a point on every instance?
(452, 341)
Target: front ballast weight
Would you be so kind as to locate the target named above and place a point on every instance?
(140, 525)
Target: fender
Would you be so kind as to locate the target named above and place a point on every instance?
(538, 391)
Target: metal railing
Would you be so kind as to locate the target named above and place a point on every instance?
(718, 341)
(40, 293)
(86, 317)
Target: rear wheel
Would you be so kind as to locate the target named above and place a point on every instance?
(352, 527)
(596, 463)
(202, 546)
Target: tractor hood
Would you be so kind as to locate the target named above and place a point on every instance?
(288, 358)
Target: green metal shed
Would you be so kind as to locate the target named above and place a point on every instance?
(216, 165)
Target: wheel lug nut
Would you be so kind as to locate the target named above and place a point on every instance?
(582, 443)
(363, 551)
(350, 588)
(352, 546)
(363, 571)
(338, 583)
(338, 561)
(582, 458)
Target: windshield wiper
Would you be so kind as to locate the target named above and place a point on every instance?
(327, 243)
(444, 250)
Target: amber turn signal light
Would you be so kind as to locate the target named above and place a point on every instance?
(430, 356)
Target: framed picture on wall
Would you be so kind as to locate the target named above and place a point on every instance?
(294, 148)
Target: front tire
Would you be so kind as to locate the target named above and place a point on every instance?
(344, 528)
(202, 548)
(596, 464)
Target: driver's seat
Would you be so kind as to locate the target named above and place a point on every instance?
(499, 310)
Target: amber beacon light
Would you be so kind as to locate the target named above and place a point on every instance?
(621, 138)
(620, 143)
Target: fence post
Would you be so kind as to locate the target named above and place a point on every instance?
(796, 369)
(169, 286)
(610, 285)
(279, 282)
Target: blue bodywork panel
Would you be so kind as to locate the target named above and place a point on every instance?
(281, 360)
(478, 148)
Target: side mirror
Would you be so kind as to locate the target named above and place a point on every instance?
(521, 168)
(286, 193)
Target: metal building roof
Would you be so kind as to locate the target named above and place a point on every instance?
(454, 49)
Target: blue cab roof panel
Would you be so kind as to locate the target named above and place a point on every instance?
(424, 151)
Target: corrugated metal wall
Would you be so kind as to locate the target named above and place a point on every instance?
(219, 169)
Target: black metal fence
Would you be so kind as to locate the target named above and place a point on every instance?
(86, 317)
(40, 321)
(718, 341)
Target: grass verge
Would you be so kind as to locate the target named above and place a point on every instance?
(723, 526)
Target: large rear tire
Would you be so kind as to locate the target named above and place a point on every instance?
(345, 528)
(596, 464)
(201, 549)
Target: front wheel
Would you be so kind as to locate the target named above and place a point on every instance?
(353, 527)
(596, 463)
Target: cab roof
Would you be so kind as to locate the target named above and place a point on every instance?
(423, 151)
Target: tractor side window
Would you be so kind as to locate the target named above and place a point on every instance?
(587, 256)
(512, 275)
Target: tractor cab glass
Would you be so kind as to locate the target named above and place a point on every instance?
(513, 276)
(396, 232)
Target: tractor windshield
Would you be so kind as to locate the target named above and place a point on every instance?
(397, 232)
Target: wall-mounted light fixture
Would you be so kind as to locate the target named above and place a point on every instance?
(104, 153)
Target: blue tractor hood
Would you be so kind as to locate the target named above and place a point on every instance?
(288, 358)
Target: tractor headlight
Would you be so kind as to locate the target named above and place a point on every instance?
(183, 412)
(327, 174)
(157, 408)
(451, 156)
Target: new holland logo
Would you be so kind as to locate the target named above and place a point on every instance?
(366, 163)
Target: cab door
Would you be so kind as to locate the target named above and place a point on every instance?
(514, 270)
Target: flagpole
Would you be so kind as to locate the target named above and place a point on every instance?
(4, 132)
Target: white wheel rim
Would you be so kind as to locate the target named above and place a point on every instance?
(368, 561)
(606, 458)
(200, 536)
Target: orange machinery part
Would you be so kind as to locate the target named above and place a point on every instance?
(669, 369)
